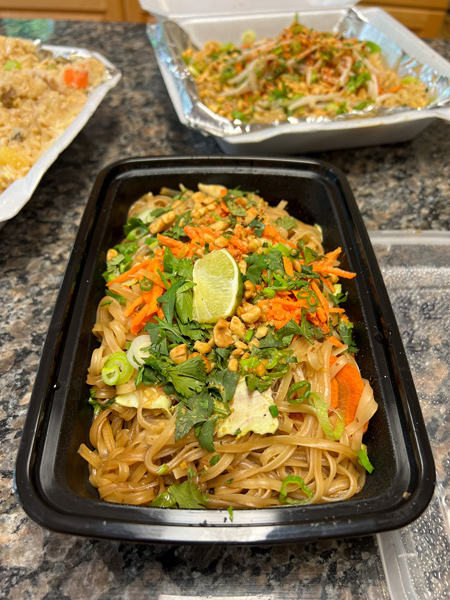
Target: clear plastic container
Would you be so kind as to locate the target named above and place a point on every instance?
(415, 267)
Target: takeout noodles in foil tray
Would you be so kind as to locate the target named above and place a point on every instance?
(297, 76)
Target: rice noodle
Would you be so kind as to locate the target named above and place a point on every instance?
(138, 453)
(301, 73)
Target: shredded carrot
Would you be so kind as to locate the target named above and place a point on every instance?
(288, 266)
(238, 244)
(133, 306)
(170, 242)
(320, 297)
(335, 341)
(271, 233)
(150, 307)
(339, 272)
(135, 269)
(394, 89)
(139, 320)
(223, 192)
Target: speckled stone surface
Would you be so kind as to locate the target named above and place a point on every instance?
(397, 187)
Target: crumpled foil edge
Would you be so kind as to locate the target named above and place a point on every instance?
(169, 40)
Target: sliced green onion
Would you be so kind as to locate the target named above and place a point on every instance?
(274, 360)
(146, 285)
(250, 363)
(151, 241)
(120, 299)
(117, 370)
(110, 375)
(268, 292)
(230, 512)
(248, 336)
(283, 497)
(322, 414)
(300, 385)
(11, 64)
(372, 47)
(283, 249)
(363, 459)
(137, 233)
(162, 469)
(274, 410)
(409, 79)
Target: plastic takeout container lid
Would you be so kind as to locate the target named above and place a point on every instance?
(180, 9)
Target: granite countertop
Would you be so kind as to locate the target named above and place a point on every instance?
(403, 186)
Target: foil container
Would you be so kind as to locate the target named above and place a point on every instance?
(14, 198)
(170, 40)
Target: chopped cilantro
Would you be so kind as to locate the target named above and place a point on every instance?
(182, 495)
(287, 222)
(214, 460)
(346, 333)
(258, 226)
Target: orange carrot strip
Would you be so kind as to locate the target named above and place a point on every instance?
(193, 234)
(130, 309)
(151, 297)
(320, 296)
(164, 240)
(223, 192)
(321, 315)
(270, 232)
(126, 275)
(155, 278)
(336, 343)
(334, 393)
(139, 320)
(238, 244)
(351, 387)
(288, 266)
(332, 256)
(339, 272)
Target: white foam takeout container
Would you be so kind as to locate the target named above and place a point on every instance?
(226, 21)
(14, 198)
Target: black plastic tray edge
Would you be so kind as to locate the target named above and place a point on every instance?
(45, 515)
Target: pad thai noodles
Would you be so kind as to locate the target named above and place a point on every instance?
(40, 95)
(300, 73)
(225, 375)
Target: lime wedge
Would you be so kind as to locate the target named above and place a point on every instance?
(218, 292)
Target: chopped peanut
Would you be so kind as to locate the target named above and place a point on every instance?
(179, 354)
(251, 315)
(222, 334)
(237, 327)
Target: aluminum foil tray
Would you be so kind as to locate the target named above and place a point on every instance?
(401, 50)
(14, 198)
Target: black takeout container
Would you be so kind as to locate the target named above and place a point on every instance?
(52, 479)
